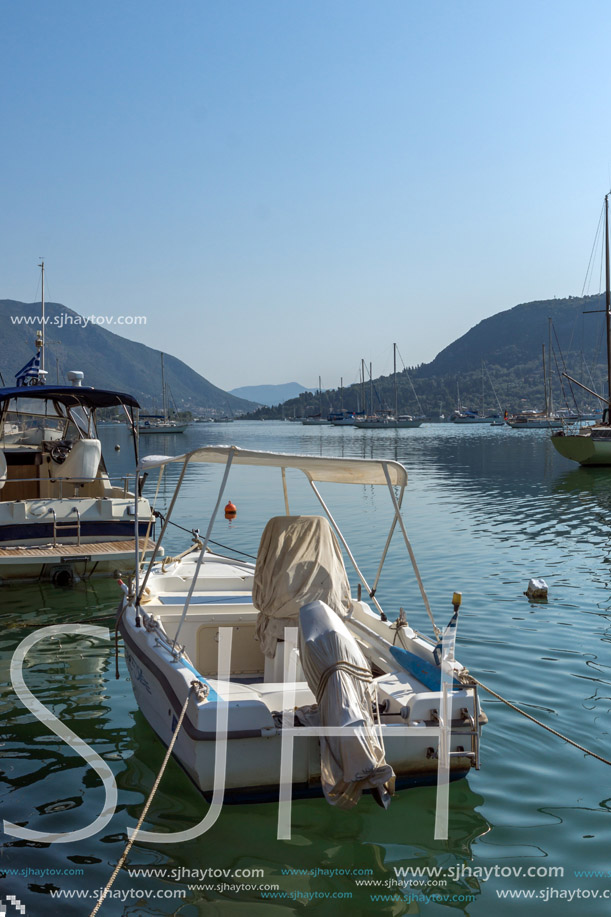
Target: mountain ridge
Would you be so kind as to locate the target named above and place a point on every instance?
(107, 360)
(495, 365)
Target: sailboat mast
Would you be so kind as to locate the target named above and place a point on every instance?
(42, 310)
(395, 380)
(362, 384)
(608, 307)
(549, 367)
(163, 392)
(545, 382)
(483, 412)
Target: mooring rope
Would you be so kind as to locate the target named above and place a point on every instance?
(132, 839)
(538, 722)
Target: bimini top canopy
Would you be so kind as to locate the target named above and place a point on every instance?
(316, 468)
(70, 395)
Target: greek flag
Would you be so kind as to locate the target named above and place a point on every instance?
(29, 371)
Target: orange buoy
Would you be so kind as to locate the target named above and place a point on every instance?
(230, 510)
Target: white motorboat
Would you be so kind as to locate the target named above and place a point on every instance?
(535, 420)
(280, 652)
(60, 514)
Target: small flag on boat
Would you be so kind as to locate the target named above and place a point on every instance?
(30, 371)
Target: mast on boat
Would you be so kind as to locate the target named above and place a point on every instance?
(545, 382)
(608, 307)
(606, 400)
(164, 397)
(40, 339)
(395, 380)
(362, 385)
(371, 388)
(549, 367)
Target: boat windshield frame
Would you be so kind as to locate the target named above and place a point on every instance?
(78, 403)
(317, 469)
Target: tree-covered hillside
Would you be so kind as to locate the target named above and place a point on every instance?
(497, 364)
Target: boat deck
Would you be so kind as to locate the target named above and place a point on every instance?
(96, 548)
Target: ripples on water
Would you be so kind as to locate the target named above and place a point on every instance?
(486, 509)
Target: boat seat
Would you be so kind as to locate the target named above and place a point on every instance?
(272, 694)
(81, 463)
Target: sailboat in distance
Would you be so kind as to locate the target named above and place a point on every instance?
(161, 423)
(592, 445)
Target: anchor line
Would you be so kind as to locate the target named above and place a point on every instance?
(147, 804)
(218, 544)
(468, 675)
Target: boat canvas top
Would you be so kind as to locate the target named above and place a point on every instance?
(316, 468)
(82, 395)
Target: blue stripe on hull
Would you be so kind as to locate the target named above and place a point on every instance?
(118, 530)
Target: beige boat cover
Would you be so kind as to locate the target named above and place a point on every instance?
(339, 676)
(299, 560)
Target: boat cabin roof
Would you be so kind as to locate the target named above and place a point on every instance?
(315, 467)
(70, 395)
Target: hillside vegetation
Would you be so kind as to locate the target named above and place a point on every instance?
(496, 364)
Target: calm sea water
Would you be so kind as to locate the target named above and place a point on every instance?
(486, 509)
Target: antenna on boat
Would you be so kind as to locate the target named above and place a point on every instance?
(40, 337)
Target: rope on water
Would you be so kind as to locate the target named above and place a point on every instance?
(538, 722)
(132, 839)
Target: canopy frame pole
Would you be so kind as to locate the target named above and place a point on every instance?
(347, 549)
(166, 522)
(203, 550)
(410, 551)
(137, 533)
(286, 493)
(150, 525)
(388, 540)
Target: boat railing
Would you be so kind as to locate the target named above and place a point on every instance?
(119, 481)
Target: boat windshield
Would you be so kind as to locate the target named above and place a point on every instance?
(30, 423)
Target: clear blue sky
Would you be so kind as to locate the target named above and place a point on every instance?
(284, 187)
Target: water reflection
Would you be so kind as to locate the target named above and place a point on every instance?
(486, 511)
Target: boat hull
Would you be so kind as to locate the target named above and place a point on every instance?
(583, 448)
(161, 684)
(162, 428)
(59, 539)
